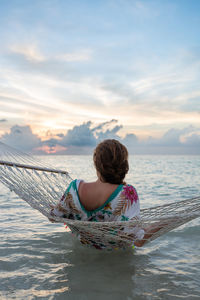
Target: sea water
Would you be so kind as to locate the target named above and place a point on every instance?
(41, 260)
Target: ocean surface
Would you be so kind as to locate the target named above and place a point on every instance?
(41, 260)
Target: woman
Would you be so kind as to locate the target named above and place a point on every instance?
(108, 198)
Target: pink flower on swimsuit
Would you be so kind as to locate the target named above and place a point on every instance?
(130, 193)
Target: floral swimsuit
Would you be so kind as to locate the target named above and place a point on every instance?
(122, 205)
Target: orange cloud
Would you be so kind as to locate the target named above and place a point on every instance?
(51, 150)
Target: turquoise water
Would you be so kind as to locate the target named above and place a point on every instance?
(40, 260)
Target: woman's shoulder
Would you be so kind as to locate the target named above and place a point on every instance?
(80, 186)
(75, 183)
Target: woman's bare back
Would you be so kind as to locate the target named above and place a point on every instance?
(94, 194)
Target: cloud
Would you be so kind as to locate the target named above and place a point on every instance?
(109, 133)
(61, 66)
(22, 138)
(81, 55)
(193, 140)
(82, 139)
(173, 137)
(29, 51)
(86, 135)
(104, 125)
(80, 136)
(61, 135)
(51, 146)
(130, 140)
(107, 130)
(192, 104)
(175, 141)
(153, 91)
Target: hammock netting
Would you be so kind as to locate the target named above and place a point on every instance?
(42, 186)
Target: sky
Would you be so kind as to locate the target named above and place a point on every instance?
(73, 73)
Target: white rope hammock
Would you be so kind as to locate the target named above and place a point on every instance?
(42, 186)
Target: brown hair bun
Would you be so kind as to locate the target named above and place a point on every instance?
(111, 161)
